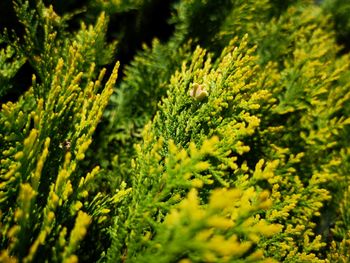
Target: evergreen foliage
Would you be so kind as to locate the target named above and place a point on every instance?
(339, 10)
(227, 142)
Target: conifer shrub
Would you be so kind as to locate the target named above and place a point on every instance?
(225, 142)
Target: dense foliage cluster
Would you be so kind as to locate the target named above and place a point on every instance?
(226, 141)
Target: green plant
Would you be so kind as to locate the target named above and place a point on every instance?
(228, 142)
